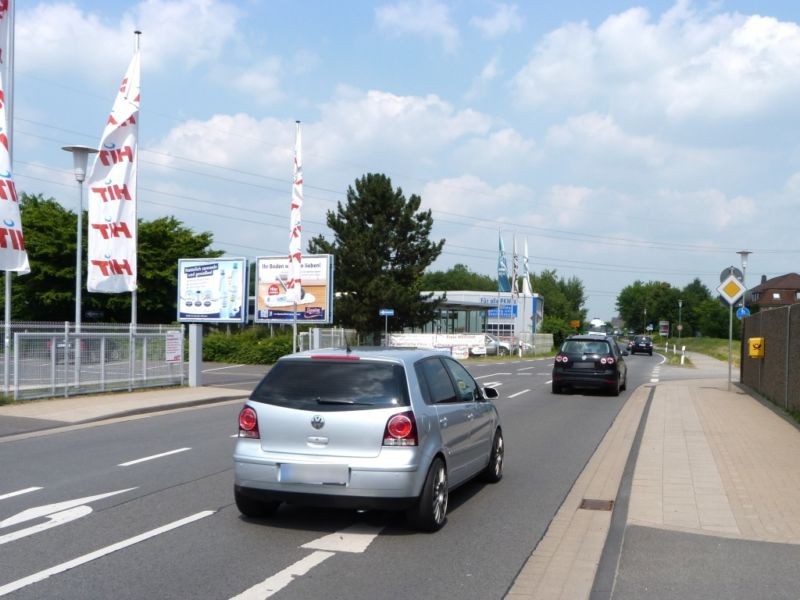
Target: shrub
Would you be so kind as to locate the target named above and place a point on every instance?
(250, 346)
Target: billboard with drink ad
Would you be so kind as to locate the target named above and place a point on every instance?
(274, 305)
(212, 290)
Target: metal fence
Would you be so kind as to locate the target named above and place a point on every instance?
(47, 359)
(776, 376)
(318, 337)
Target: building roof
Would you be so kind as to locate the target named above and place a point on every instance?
(790, 281)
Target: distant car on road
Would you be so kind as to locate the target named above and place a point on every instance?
(589, 361)
(379, 428)
(643, 344)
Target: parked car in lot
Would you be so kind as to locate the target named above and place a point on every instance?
(491, 347)
(588, 361)
(643, 344)
(376, 428)
(90, 349)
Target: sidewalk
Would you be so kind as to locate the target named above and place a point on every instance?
(711, 461)
(48, 413)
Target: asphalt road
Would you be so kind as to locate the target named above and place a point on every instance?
(144, 508)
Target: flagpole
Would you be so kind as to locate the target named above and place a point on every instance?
(134, 294)
(9, 57)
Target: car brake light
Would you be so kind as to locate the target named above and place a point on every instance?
(561, 358)
(334, 357)
(607, 361)
(248, 423)
(401, 430)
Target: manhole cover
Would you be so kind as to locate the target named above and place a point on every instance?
(589, 504)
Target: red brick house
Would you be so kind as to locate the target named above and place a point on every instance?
(778, 291)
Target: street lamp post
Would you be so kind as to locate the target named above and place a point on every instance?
(80, 156)
(680, 322)
(744, 254)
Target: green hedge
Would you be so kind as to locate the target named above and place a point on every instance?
(251, 346)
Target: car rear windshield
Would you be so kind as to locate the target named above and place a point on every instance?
(321, 385)
(585, 347)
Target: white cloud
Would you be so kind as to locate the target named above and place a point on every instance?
(506, 19)
(684, 65)
(427, 18)
(505, 152)
(57, 36)
(261, 82)
(567, 203)
(482, 83)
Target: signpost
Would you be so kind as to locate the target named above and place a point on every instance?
(731, 289)
(386, 313)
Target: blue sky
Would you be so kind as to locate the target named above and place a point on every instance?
(623, 140)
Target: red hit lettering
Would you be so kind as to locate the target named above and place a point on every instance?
(8, 191)
(113, 267)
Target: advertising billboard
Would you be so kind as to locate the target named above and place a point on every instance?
(212, 290)
(316, 292)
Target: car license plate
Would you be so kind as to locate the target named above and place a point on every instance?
(584, 365)
(314, 474)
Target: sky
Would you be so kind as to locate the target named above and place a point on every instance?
(623, 141)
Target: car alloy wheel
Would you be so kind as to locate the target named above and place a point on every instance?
(431, 508)
(494, 470)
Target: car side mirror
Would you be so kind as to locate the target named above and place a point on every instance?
(489, 392)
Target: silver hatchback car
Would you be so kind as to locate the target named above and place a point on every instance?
(370, 428)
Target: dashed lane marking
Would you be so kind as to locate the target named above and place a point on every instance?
(155, 456)
(519, 393)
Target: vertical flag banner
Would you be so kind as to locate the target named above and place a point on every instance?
(6, 38)
(503, 284)
(526, 276)
(294, 290)
(112, 194)
(13, 256)
(514, 268)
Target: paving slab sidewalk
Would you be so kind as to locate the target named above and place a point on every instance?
(713, 460)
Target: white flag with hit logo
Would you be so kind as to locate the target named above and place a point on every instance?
(13, 256)
(112, 194)
(294, 290)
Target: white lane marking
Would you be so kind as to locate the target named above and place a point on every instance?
(53, 520)
(155, 456)
(20, 492)
(527, 368)
(273, 585)
(354, 539)
(519, 393)
(492, 375)
(48, 509)
(493, 384)
(76, 562)
(222, 368)
(548, 381)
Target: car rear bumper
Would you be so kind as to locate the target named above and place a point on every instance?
(386, 480)
(585, 380)
(310, 498)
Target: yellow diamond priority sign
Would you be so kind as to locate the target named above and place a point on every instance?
(731, 289)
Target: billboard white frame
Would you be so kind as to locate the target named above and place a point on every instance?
(316, 304)
(210, 291)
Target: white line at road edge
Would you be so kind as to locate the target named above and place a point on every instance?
(20, 492)
(146, 458)
(519, 393)
(76, 562)
(222, 368)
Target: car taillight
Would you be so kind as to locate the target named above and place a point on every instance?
(401, 430)
(561, 358)
(607, 360)
(248, 423)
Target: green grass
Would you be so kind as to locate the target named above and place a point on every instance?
(714, 347)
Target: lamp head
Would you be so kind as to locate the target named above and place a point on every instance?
(80, 156)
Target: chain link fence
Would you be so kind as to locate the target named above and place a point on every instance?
(52, 359)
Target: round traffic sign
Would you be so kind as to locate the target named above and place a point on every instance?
(728, 271)
(742, 312)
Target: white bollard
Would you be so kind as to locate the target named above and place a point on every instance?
(683, 353)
